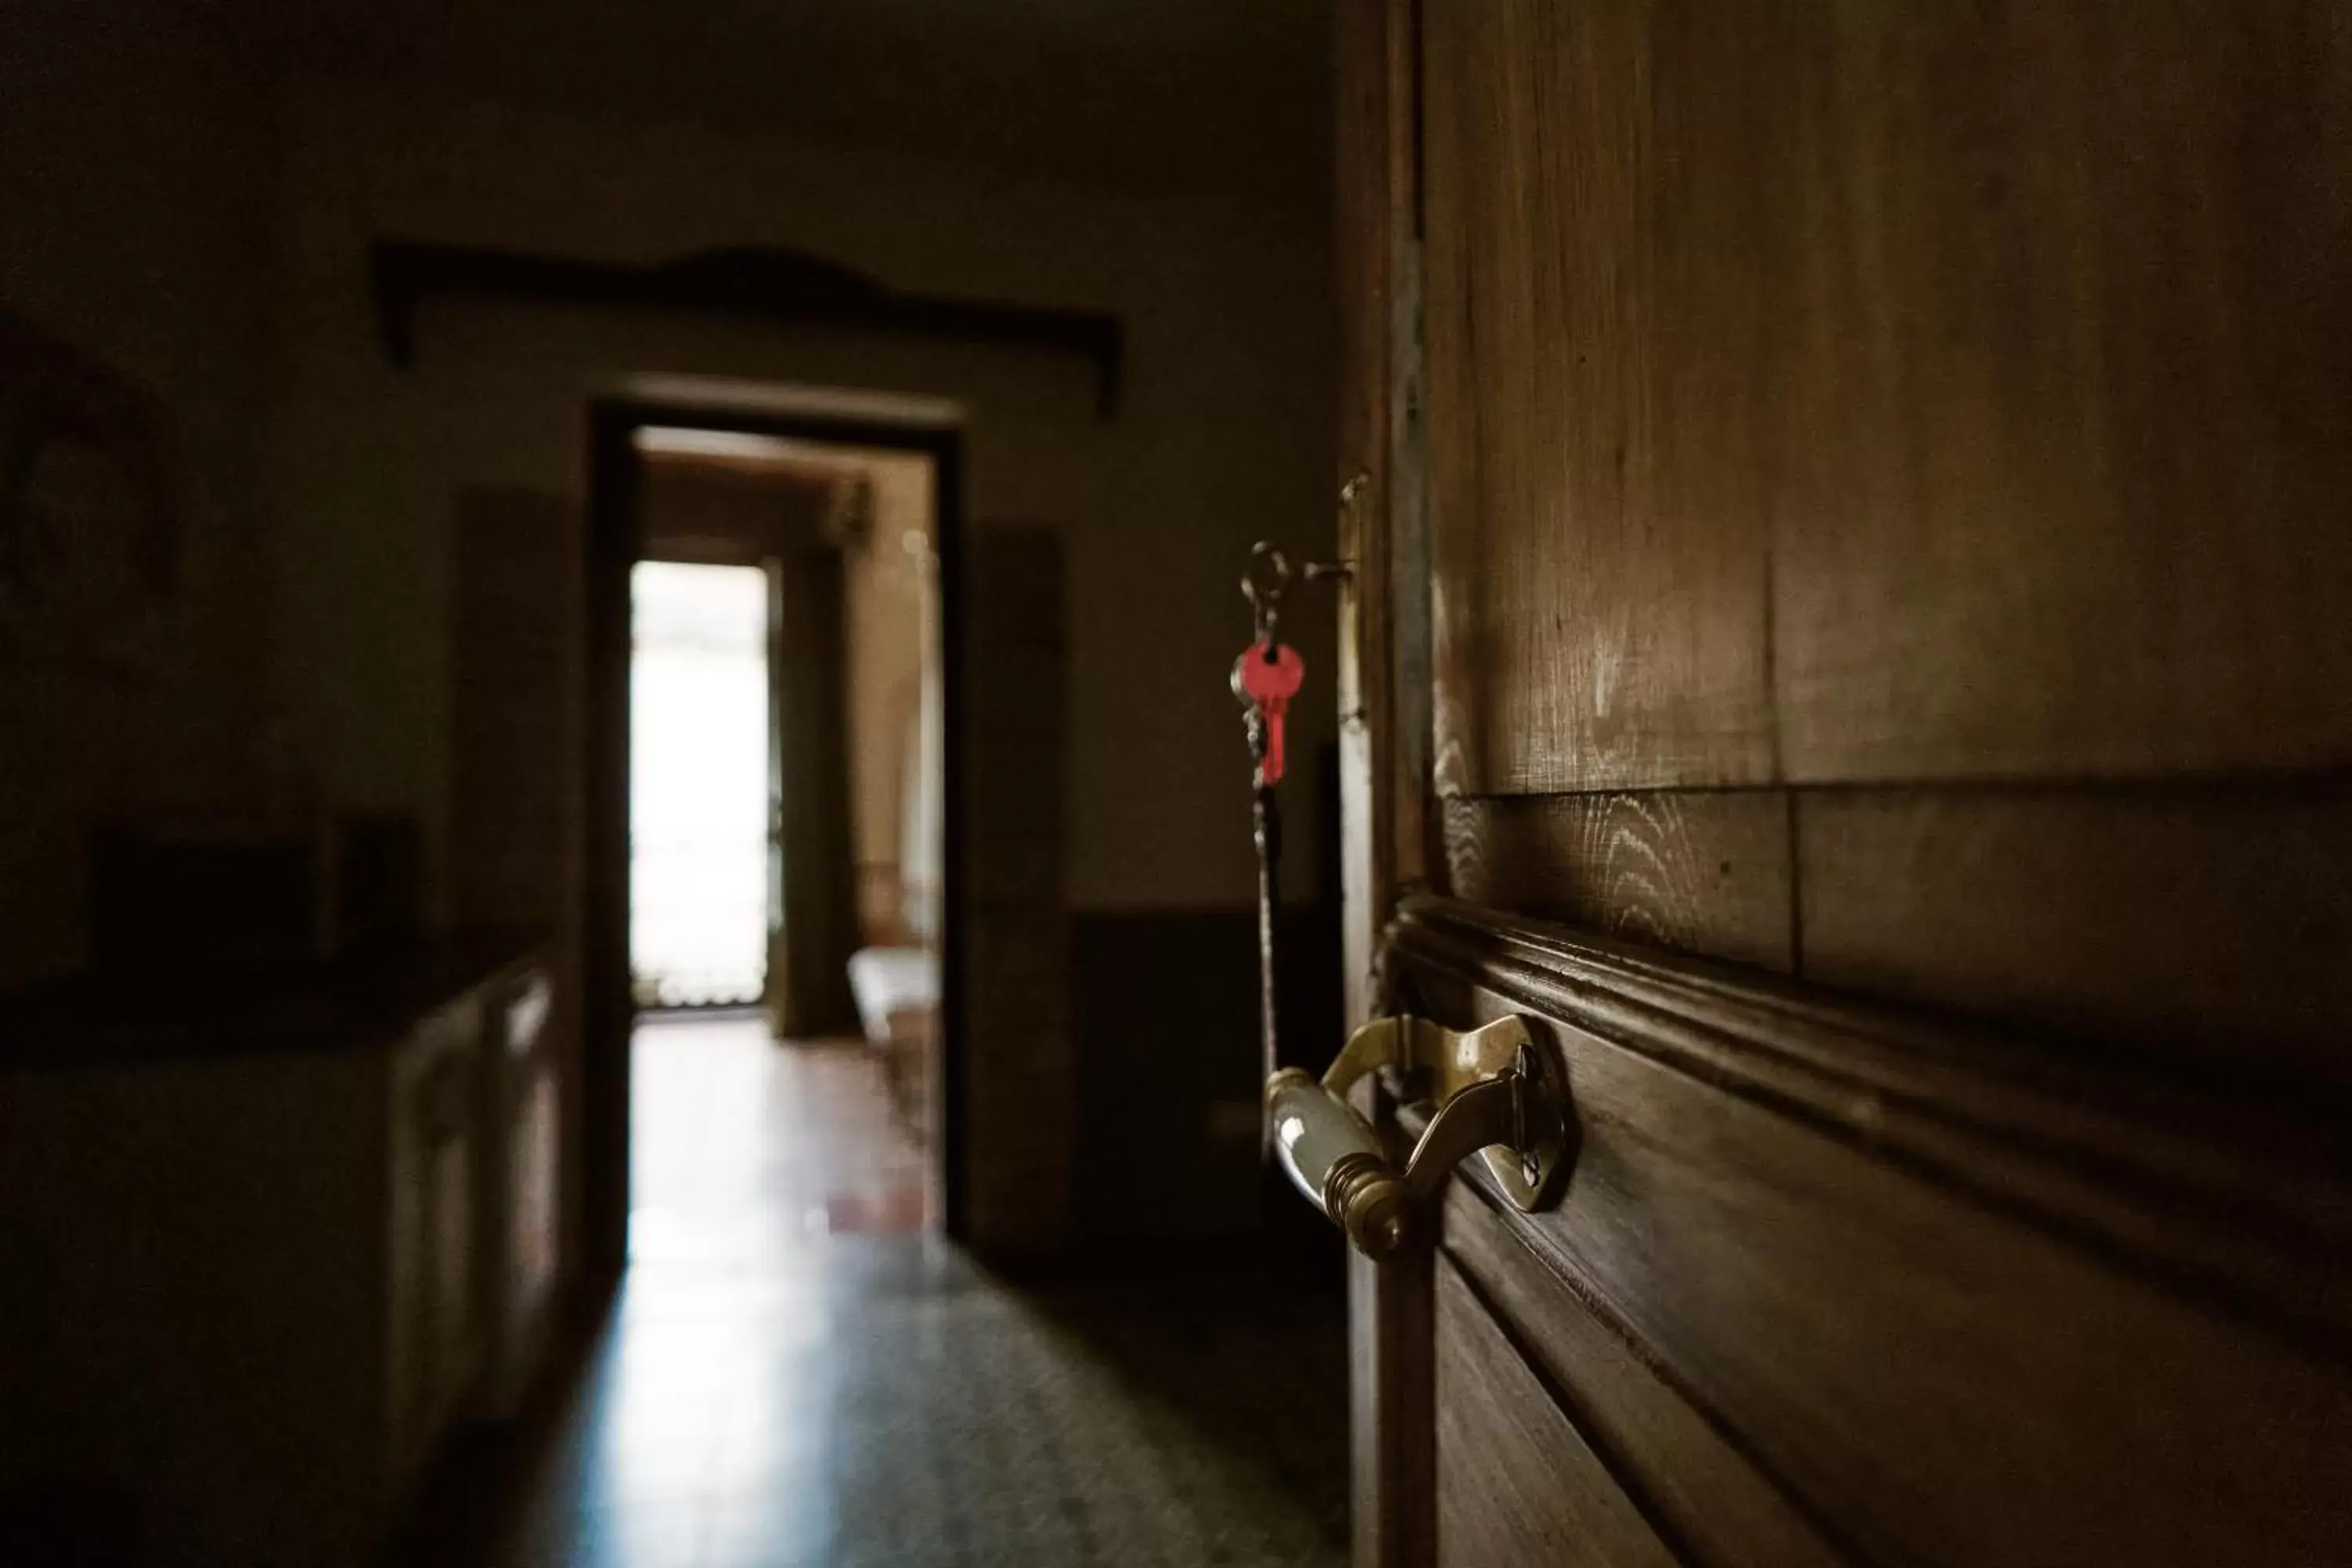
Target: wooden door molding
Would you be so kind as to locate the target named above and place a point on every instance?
(1854, 1262)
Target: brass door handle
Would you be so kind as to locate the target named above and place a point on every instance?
(1497, 1092)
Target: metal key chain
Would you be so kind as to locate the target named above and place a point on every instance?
(1265, 677)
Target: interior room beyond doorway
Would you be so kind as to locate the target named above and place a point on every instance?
(786, 813)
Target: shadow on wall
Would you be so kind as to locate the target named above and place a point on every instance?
(1165, 1012)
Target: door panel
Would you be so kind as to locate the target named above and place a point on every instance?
(1695, 1484)
(1600, 599)
(2205, 922)
(1897, 1315)
(1839, 392)
(1705, 872)
(2208, 924)
(1888, 691)
(2058, 465)
(1516, 1483)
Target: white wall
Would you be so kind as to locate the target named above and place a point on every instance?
(1222, 434)
(888, 614)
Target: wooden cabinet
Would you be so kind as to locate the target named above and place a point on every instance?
(434, 1332)
(244, 1287)
(517, 1255)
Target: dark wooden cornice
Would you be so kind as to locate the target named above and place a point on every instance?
(764, 282)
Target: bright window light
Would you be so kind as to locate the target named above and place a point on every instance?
(699, 716)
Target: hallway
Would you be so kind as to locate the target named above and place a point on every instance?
(795, 1376)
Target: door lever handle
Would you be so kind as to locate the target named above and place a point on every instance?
(1498, 1090)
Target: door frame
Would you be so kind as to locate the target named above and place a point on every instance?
(608, 1013)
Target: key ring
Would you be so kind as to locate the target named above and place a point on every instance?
(1265, 561)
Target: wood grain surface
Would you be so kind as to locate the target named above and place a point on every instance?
(2061, 407)
(1392, 1437)
(1887, 474)
(1599, 555)
(1855, 394)
(1694, 1484)
(2209, 923)
(1700, 871)
(2204, 923)
(1914, 1296)
(2239, 1191)
(1516, 1481)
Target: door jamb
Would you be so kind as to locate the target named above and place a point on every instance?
(1385, 720)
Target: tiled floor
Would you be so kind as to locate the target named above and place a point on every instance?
(796, 1375)
(742, 1149)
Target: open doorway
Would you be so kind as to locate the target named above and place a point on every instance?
(769, 1048)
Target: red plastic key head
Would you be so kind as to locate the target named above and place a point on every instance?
(1269, 677)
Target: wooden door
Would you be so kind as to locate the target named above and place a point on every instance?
(1852, 637)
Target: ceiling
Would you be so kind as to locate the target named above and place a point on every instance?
(1209, 96)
